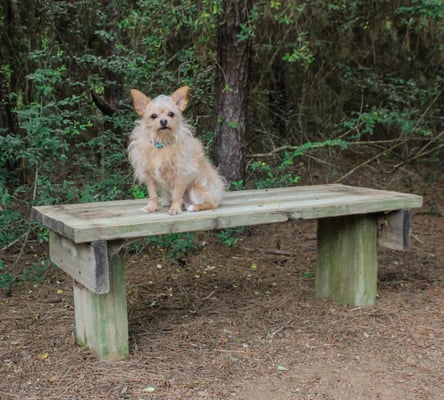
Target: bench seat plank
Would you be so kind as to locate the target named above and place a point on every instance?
(88, 222)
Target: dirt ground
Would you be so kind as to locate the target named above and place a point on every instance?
(244, 323)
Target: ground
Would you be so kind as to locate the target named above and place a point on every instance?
(243, 322)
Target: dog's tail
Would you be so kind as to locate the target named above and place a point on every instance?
(209, 205)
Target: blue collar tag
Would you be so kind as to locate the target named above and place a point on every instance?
(158, 145)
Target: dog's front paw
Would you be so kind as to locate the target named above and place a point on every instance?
(174, 210)
(149, 208)
(146, 210)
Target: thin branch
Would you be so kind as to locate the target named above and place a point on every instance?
(430, 141)
(429, 107)
(12, 243)
(273, 152)
(370, 160)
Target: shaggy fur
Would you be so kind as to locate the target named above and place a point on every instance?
(167, 157)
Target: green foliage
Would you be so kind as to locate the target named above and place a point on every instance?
(281, 170)
(402, 111)
(274, 174)
(237, 185)
(366, 123)
(38, 271)
(11, 224)
(178, 53)
(321, 71)
(139, 192)
(247, 29)
(230, 237)
(419, 13)
(10, 219)
(301, 53)
(6, 278)
(176, 245)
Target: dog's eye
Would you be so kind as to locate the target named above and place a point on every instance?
(171, 114)
(153, 116)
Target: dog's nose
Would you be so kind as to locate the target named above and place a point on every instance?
(163, 122)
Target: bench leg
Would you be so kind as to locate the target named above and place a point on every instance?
(101, 319)
(347, 260)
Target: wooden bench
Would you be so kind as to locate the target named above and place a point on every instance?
(86, 241)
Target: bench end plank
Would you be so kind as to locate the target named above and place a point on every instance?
(86, 263)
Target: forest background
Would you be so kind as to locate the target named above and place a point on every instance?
(318, 78)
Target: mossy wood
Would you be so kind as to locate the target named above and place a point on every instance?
(347, 259)
(86, 241)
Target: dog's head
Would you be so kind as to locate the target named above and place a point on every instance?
(162, 115)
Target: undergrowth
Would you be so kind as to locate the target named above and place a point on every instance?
(334, 76)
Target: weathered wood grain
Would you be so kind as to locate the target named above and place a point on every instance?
(394, 230)
(87, 222)
(347, 259)
(86, 263)
(101, 319)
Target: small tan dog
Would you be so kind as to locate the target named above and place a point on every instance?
(167, 157)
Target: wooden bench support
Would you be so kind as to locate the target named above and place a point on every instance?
(101, 319)
(394, 229)
(347, 260)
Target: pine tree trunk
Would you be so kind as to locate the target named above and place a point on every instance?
(234, 56)
(8, 123)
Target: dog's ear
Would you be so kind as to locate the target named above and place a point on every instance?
(180, 98)
(140, 101)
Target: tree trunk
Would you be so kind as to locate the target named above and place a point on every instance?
(8, 122)
(232, 83)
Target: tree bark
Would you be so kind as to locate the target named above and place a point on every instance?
(8, 122)
(232, 83)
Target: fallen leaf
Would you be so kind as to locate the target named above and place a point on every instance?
(43, 356)
(281, 368)
(149, 389)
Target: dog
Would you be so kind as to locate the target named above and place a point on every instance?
(169, 159)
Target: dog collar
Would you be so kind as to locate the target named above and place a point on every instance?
(158, 145)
